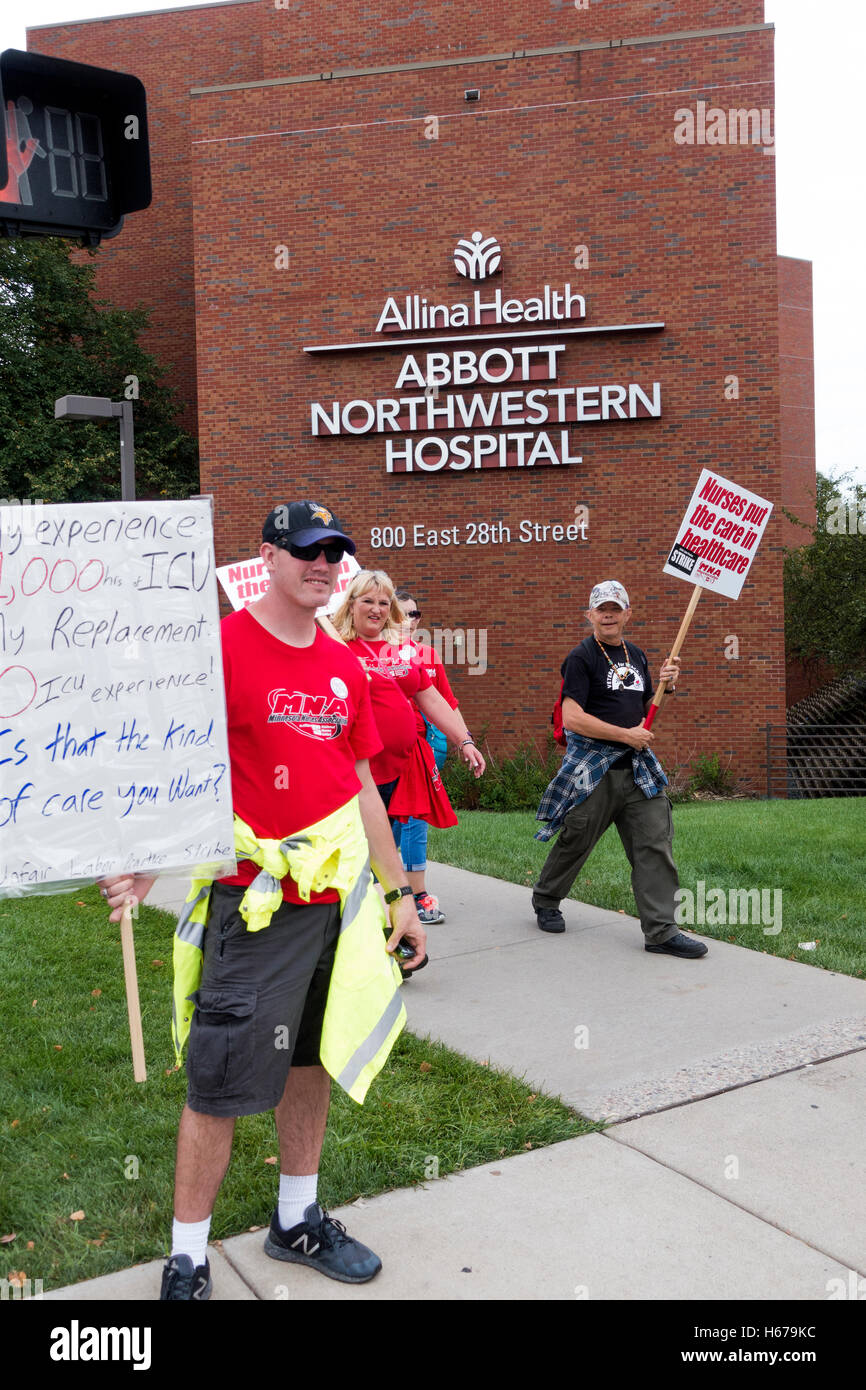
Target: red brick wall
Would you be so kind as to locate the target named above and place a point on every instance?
(797, 432)
(684, 235)
(175, 51)
(797, 395)
(561, 151)
(334, 34)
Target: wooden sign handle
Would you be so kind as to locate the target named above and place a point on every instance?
(133, 1005)
(675, 651)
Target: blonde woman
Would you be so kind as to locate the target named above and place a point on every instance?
(370, 620)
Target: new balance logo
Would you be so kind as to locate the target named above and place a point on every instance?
(303, 1242)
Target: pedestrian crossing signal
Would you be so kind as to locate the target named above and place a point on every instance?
(74, 158)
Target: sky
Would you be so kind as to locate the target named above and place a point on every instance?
(821, 186)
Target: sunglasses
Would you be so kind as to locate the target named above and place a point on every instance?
(413, 612)
(333, 553)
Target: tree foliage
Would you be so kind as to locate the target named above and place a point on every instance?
(825, 581)
(57, 338)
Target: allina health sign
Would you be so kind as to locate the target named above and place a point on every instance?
(517, 415)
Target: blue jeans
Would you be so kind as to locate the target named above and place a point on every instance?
(411, 841)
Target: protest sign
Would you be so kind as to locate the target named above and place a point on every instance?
(247, 581)
(714, 549)
(113, 749)
(719, 535)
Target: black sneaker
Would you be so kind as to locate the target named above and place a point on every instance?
(322, 1243)
(679, 945)
(181, 1281)
(550, 919)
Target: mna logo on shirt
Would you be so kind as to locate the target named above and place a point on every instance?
(314, 716)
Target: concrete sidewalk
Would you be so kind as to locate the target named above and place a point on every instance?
(732, 1166)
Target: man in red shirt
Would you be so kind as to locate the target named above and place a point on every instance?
(300, 734)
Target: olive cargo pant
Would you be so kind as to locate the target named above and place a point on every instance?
(645, 827)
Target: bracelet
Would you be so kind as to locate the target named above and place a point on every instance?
(468, 740)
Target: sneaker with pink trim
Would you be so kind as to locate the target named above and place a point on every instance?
(429, 911)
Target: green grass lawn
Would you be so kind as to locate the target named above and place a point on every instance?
(813, 851)
(77, 1133)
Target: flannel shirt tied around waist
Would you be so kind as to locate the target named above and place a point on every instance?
(585, 763)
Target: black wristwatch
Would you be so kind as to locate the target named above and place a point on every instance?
(396, 893)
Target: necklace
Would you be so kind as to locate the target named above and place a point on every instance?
(621, 674)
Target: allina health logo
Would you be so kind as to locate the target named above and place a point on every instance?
(478, 257)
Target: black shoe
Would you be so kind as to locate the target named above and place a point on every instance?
(550, 919)
(322, 1243)
(679, 945)
(181, 1281)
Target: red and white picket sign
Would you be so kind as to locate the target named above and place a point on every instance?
(715, 545)
(719, 535)
(247, 580)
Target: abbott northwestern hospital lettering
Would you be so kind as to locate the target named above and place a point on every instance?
(506, 361)
(538, 407)
(562, 405)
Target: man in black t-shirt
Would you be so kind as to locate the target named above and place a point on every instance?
(607, 689)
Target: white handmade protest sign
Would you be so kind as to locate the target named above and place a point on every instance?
(113, 749)
(719, 535)
(247, 581)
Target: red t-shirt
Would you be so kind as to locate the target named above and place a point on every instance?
(439, 680)
(298, 720)
(396, 675)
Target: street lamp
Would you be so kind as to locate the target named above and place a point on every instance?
(101, 408)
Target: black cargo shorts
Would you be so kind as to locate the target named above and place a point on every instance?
(260, 1004)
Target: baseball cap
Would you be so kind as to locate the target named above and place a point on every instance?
(303, 523)
(608, 591)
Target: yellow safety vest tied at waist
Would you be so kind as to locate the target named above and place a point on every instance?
(364, 1014)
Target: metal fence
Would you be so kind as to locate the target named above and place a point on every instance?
(808, 760)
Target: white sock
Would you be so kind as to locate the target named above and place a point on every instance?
(296, 1194)
(190, 1238)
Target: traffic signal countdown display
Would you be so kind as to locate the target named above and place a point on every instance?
(75, 157)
